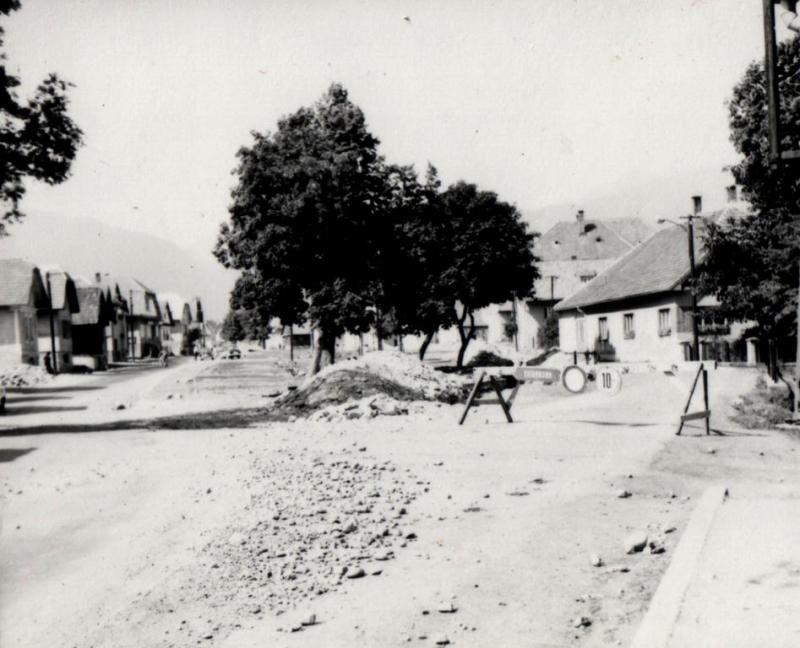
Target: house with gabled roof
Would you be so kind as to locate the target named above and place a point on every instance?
(570, 253)
(91, 323)
(639, 308)
(142, 317)
(55, 322)
(177, 317)
(22, 296)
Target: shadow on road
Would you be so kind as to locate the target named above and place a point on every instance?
(220, 419)
(54, 390)
(9, 454)
(32, 398)
(12, 410)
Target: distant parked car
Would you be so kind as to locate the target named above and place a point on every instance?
(234, 354)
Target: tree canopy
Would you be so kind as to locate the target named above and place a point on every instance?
(38, 139)
(489, 257)
(324, 229)
(751, 263)
(232, 328)
(301, 216)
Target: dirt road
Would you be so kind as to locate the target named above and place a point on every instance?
(232, 537)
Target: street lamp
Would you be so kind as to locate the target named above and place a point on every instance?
(697, 204)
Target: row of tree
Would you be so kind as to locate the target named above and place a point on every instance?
(324, 230)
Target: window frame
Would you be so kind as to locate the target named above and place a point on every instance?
(664, 314)
(602, 329)
(629, 326)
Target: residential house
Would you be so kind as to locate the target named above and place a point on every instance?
(90, 325)
(116, 331)
(179, 316)
(143, 316)
(571, 253)
(639, 309)
(55, 321)
(197, 328)
(22, 295)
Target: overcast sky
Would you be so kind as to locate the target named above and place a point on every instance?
(544, 101)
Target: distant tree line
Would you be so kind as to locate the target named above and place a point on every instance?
(324, 230)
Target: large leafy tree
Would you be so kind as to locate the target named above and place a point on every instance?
(251, 306)
(232, 328)
(489, 254)
(37, 137)
(412, 293)
(302, 216)
(751, 263)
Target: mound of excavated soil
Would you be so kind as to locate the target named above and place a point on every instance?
(489, 359)
(337, 387)
(384, 373)
(23, 376)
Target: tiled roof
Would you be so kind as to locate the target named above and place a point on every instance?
(17, 279)
(62, 288)
(178, 307)
(141, 300)
(91, 300)
(659, 264)
(566, 277)
(588, 239)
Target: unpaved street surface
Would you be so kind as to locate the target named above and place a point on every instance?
(390, 531)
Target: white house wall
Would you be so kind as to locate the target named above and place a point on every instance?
(647, 345)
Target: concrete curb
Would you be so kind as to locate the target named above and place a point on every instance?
(655, 629)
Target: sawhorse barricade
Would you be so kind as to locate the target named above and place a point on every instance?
(521, 376)
(700, 414)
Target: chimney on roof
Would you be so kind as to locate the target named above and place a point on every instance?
(697, 204)
(579, 218)
(732, 193)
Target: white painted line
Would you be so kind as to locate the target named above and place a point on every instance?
(655, 629)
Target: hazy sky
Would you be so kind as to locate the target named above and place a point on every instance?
(543, 101)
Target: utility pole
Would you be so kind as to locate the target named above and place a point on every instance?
(698, 205)
(131, 339)
(52, 324)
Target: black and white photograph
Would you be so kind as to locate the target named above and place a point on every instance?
(399, 324)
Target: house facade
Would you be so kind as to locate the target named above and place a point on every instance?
(142, 318)
(22, 296)
(55, 321)
(640, 308)
(571, 253)
(90, 325)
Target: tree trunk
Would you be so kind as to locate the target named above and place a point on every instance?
(379, 328)
(291, 343)
(465, 337)
(400, 343)
(796, 381)
(324, 353)
(425, 343)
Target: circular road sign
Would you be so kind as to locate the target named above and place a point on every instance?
(609, 380)
(574, 379)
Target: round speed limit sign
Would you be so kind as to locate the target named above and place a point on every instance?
(574, 379)
(609, 381)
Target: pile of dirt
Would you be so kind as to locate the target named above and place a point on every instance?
(23, 376)
(383, 373)
(488, 358)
